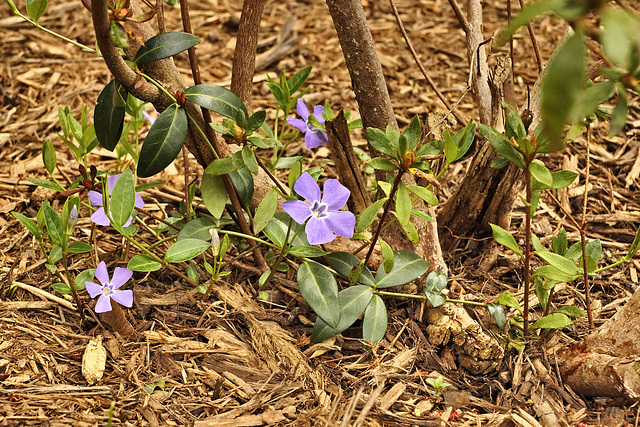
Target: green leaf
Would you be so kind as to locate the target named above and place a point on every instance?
(514, 128)
(352, 302)
(185, 249)
(403, 204)
(276, 231)
(619, 38)
(63, 288)
(217, 99)
(144, 263)
(319, 289)
(249, 159)
(49, 156)
(343, 263)
(589, 99)
(214, 194)
(563, 178)
(503, 237)
(411, 232)
(165, 45)
(561, 87)
(435, 281)
(502, 145)
(508, 300)
(619, 115)
(265, 211)
(559, 243)
(450, 147)
(412, 133)
(225, 165)
(553, 273)
(28, 223)
(436, 299)
(374, 322)
(561, 263)
(296, 81)
(424, 193)
(197, 229)
(123, 198)
(570, 311)
(541, 291)
(36, 8)
(633, 249)
(382, 164)
(109, 116)
(54, 225)
(498, 313)
(540, 172)
(47, 184)
(552, 321)
(407, 267)
(79, 248)
(256, 120)
(380, 142)
(84, 276)
(287, 162)
(306, 251)
(163, 142)
(369, 215)
(388, 258)
(242, 181)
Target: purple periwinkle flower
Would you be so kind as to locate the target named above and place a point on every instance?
(99, 217)
(313, 138)
(323, 214)
(108, 289)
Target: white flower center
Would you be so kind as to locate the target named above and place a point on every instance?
(318, 209)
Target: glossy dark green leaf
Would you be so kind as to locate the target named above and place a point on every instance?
(498, 313)
(561, 86)
(225, 165)
(306, 251)
(256, 120)
(502, 145)
(186, 249)
(374, 321)
(79, 248)
(49, 156)
(382, 164)
(352, 301)
(163, 142)
(249, 159)
(369, 215)
(319, 289)
(109, 116)
(123, 198)
(165, 45)
(343, 263)
(412, 133)
(197, 229)
(276, 231)
(54, 224)
(217, 99)
(380, 142)
(242, 181)
(296, 81)
(407, 267)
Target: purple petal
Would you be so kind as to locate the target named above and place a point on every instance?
(307, 188)
(120, 277)
(100, 218)
(302, 109)
(298, 210)
(102, 274)
(300, 124)
(93, 289)
(314, 139)
(317, 113)
(342, 223)
(95, 198)
(124, 298)
(139, 202)
(128, 223)
(103, 305)
(111, 181)
(335, 195)
(148, 117)
(318, 231)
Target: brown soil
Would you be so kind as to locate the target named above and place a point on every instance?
(231, 361)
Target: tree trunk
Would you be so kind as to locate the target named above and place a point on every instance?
(607, 362)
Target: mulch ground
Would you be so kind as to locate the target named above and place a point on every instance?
(232, 361)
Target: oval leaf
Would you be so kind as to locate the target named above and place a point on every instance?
(265, 211)
(79, 248)
(165, 45)
(352, 302)
(28, 223)
(369, 215)
(498, 313)
(123, 199)
(320, 290)
(505, 238)
(407, 267)
(552, 321)
(214, 194)
(374, 322)
(185, 249)
(54, 224)
(109, 117)
(343, 263)
(403, 204)
(143, 263)
(242, 181)
(36, 8)
(163, 142)
(197, 229)
(216, 99)
(305, 251)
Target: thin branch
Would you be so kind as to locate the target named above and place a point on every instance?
(120, 70)
(461, 120)
(534, 41)
(460, 15)
(583, 237)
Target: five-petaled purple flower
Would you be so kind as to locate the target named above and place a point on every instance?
(99, 217)
(324, 216)
(313, 138)
(108, 289)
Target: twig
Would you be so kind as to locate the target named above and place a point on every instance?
(460, 15)
(44, 294)
(534, 42)
(583, 237)
(423, 70)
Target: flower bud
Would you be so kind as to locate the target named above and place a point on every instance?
(73, 218)
(215, 241)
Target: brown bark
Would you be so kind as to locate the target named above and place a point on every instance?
(607, 362)
(376, 111)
